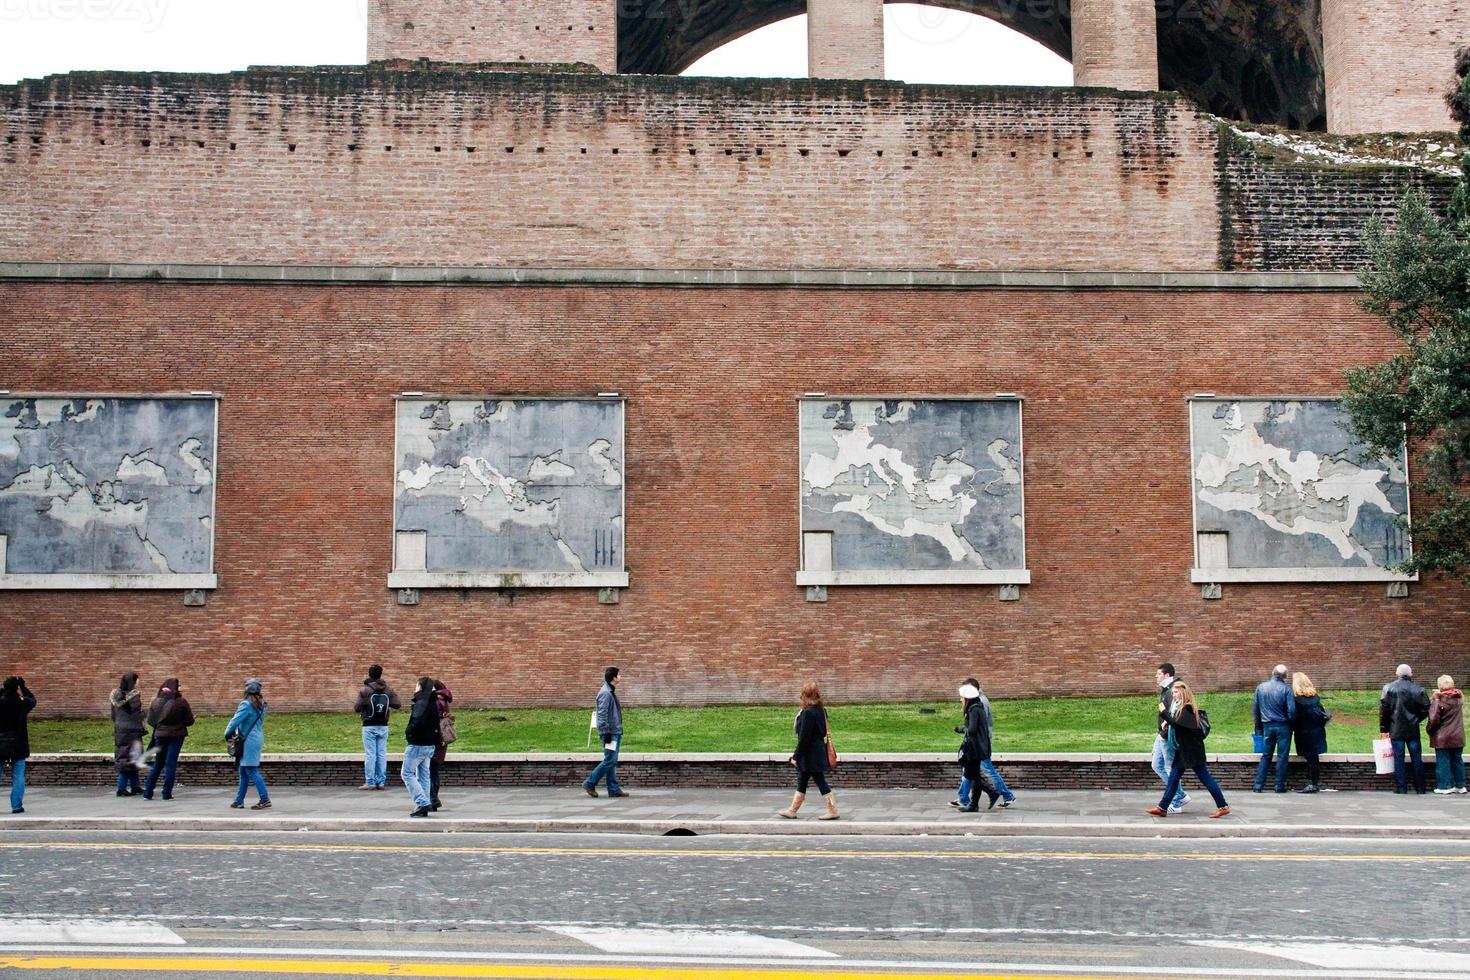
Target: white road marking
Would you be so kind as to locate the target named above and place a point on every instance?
(115, 932)
(1359, 956)
(686, 942)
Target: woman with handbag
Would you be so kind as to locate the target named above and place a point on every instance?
(1189, 726)
(170, 715)
(813, 757)
(1309, 728)
(16, 701)
(245, 736)
(974, 752)
(127, 734)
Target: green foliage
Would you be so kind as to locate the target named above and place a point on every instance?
(1418, 281)
(1116, 724)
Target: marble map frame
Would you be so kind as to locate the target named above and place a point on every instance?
(509, 578)
(90, 580)
(1223, 575)
(870, 577)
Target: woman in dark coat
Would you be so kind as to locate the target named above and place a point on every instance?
(16, 701)
(1446, 730)
(1309, 728)
(127, 734)
(1187, 734)
(810, 757)
(442, 698)
(974, 750)
(170, 716)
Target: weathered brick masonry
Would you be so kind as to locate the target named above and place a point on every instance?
(307, 376)
(473, 167)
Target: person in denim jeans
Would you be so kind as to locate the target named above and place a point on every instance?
(375, 703)
(422, 735)
(987, 766)
(170, 715)
(249, 723)
(1401, 707)
(1446, 730)
(1274, 713)
(16, 701)
(1163, 755)
(610, 727)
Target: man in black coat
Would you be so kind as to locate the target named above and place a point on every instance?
(1401, 707)
(16, 701)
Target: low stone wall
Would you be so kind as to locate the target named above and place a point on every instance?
(1034, 771)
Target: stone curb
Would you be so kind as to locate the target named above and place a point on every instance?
(1201, 828)
(1013, 758)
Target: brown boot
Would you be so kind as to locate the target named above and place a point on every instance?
(831, 800)
(790, 812)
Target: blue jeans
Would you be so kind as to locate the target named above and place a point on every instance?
(375, 755)
(17, 783)
(1416, 758)
(1277, 735)
(165, 763)
(127, 778)
(1449, 768)
(1163, 762)
(251, 774)
(416, 759)
(608, 766)
(1202, 773)
(994, 773)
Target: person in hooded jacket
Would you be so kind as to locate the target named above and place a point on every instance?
(127, 733)
(810, 755)
(1187, 732)
(249, 724)
(16, 701)
(975, 750)
(443, 696)
(375, 704)
(422, 735)
(1446, 730)
(1309, 728)
(170, 715)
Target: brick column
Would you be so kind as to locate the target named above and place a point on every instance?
(844, 38)
(1115, 44)
(1389, 63)
(511, 31)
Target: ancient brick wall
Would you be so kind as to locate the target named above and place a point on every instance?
(1115, 43)
(495, 30)
(845, 38)
(1388, 63)
(307, 376)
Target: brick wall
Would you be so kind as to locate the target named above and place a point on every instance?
(307, 376)
(845, 38)
(495, 30)
(1115, 43)
(1389, 63)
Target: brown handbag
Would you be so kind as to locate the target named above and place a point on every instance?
(831, 749)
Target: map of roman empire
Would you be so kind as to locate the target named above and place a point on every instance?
(914, 485)
(1289, 485)
(107, 485)
(512, 485)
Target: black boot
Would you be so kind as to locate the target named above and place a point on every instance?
(974, 806)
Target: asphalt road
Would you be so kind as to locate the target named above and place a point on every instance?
(176, 905)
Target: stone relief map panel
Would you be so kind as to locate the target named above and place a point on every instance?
(1283, 492)
(508, 492)
(924, 491)
(107, 492)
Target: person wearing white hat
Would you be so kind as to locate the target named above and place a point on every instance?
(971, 688)
(975, 749)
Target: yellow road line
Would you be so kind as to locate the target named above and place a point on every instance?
(763, 853)
(371, 968)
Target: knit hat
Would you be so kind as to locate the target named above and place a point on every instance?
(252, 686)
(969, 692)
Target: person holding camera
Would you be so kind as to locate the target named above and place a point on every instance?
(245, 735)
(16, 701)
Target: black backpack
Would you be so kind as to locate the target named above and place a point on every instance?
(1204, 725)
(377, 709)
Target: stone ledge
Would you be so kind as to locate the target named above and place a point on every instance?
(711, 758)
(688, 278)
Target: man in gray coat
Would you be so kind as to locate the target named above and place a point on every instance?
(1402, 706)
(610, 727)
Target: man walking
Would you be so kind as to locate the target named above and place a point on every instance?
(1401, 707)
(422, 734)
(987, 766)
(1273, 712)
(1163, 759)
(375, 702)
(610, 727)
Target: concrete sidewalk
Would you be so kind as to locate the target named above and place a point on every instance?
(1080, 813)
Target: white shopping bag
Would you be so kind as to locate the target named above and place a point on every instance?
(593, 730)
(1382, 756)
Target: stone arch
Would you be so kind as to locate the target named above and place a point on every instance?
(1255, 60)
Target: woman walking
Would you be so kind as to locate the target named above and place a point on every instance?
(16, 701)
(1187, 734)
(249, 724)
(127, 734)
(442, 698)
(1309, 728)
(975, 752)
(170, 716)
(1447, 737)
(810, 757)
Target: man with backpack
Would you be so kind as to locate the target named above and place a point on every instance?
(375, 702)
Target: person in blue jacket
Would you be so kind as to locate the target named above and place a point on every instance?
(249, 722)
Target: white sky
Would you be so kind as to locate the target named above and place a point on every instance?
(43, 37)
